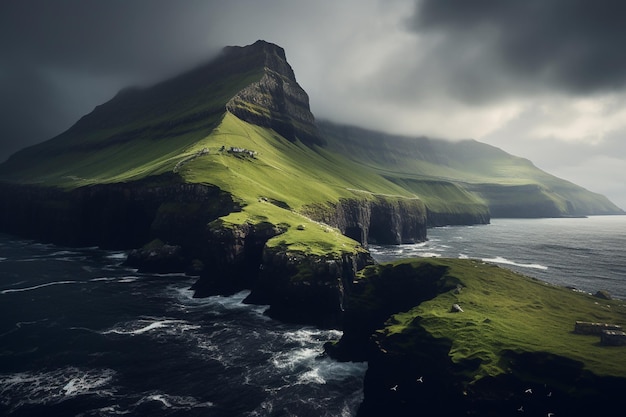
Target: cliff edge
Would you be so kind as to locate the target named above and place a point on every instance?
(462, 337)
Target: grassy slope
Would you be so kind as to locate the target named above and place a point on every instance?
(280, 180)
(136, 134)
(420, 164)
(504, 310)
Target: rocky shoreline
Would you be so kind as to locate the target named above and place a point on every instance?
(171, 225)
(407, 372)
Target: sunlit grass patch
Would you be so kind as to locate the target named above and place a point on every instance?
(506, 311)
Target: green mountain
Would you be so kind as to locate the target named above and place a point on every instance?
(228, 162)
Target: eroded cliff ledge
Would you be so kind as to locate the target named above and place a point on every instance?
(381, 220)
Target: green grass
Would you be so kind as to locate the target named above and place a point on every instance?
(136, 134)
(473, 166)
(503, 311)
(280, 181)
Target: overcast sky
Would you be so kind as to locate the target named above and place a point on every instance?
(541, 79)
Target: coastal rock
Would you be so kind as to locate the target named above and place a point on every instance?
(381, 220)
(157, 257)
(115, 216)
(603, 294)
(305, 288)
(456, 308)
(233, 255)
(377, 293)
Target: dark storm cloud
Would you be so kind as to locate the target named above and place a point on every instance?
(575, 46)
(51, 49)
(18, 105)
(103, 36)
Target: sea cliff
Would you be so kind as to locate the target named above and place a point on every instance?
(461, 337)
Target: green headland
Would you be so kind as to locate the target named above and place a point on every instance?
(224, 172)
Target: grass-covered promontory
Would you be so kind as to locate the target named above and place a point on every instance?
(503, 311)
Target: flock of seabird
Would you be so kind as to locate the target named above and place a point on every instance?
(528, 391)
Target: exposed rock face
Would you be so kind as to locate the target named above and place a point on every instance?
(570, 391)
(277, 101)
(374, 299)
(234, 256)
(306, 288)
(157, 257)
(120, 216)
(382, 220)
(436, 219)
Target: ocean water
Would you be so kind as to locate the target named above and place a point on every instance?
(81, 335)
(588, 254)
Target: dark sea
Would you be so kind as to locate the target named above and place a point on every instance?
(81, 335)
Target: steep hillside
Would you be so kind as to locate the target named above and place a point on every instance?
(509, 185)
(143, 131)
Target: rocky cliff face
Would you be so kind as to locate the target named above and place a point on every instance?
(306, 288)
(234, 257)
(437, 218)
(121, 216)
(277, 101)
(381, 220)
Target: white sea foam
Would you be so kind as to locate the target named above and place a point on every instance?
(214, 304)
(429, 255)
(25, 388)
(36, 287)
(308, 336)
(103, 279)
(124, 279)
(501, 260)
(137, 327)
(174, 402)
(63, 253)
(117, 256)
(127, 279)
(324, 370)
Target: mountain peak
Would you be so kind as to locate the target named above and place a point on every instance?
(276, 100)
